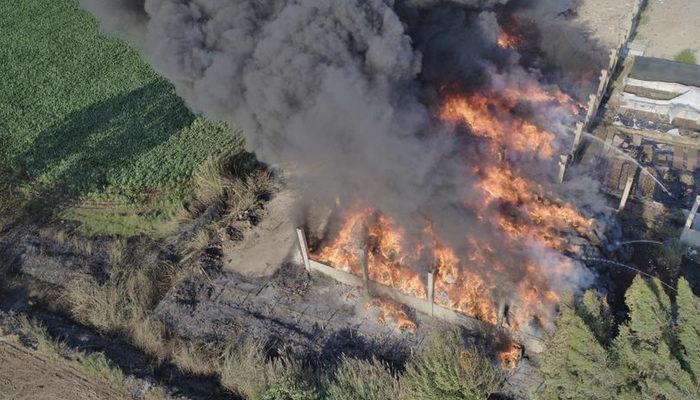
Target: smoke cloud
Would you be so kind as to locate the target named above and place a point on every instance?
(344, 93)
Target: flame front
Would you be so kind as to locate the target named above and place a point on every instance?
(520, 213)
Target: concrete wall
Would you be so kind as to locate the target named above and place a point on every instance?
(531, 343)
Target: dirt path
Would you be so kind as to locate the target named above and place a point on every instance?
(29, 375)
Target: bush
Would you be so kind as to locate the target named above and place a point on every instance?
(686, 56)
(351, 382)
(246, 370)
(291, 386)
(445, 370)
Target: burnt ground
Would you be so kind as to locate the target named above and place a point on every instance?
(312, 317)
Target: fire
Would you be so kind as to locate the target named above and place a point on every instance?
(507, 41)
(521, 213)
(387, 261)
(488, 118)
(345, 253)
(395, 312)
(542, 219)
(381, 242)
(508, 359)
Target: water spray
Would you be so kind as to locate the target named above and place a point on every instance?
(629, 158)
(618, 264)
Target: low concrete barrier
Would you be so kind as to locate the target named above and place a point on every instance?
(427, 306)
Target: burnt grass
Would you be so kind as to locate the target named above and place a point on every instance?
(290, 312)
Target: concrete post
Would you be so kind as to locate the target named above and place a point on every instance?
(614, 54)
(431, 291)
(692, 160)
(563, 161)
(365, 273)
(628, 189)
(693, 212)
(578, 134)
(592, 109)
(603, 82)
(678, 156)
(304, 248)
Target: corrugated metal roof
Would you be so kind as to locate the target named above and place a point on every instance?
(660, 70)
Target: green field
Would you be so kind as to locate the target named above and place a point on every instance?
(87, 129)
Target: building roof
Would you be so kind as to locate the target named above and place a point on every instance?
(660, 70)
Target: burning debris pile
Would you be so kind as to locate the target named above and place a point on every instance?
(419, 119)
(514, 211)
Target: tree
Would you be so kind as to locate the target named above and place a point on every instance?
(688, 323)
(576, 365)
(595, 312)
(643, 347)
(445, 370)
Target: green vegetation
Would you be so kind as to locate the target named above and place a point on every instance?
(686, 56)
(445, 370)
(98, 365)
(651, 356)
(246, 370)
(350, 381)
(88, 129)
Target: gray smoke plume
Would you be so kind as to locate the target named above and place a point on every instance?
(341, 91)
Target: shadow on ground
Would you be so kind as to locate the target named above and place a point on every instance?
(76, 156)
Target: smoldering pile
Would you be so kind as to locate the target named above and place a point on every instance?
(409, 108)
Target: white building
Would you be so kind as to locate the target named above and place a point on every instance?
(663, 91)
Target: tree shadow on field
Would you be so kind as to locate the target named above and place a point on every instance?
(76, 156)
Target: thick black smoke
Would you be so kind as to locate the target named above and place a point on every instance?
(340, 91)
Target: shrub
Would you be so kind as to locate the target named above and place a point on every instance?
(246, 370)
(291, 386)
(351, 382)
(445, 370)
(686, 56)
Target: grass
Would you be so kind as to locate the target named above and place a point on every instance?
(196, 357)
(44, 343)
(686, 56)
(87, 125)
(98, 365)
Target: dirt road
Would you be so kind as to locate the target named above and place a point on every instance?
(29, 375)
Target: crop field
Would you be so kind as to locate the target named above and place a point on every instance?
(87, 129)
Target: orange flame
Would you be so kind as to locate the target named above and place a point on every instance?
(486, 118)
(395, 312)
(525, 213)
(507, 41)
(509, 358)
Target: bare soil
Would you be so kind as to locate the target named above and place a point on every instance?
(669, 27)
(260, 248)
(27, 374)
(606, 20)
